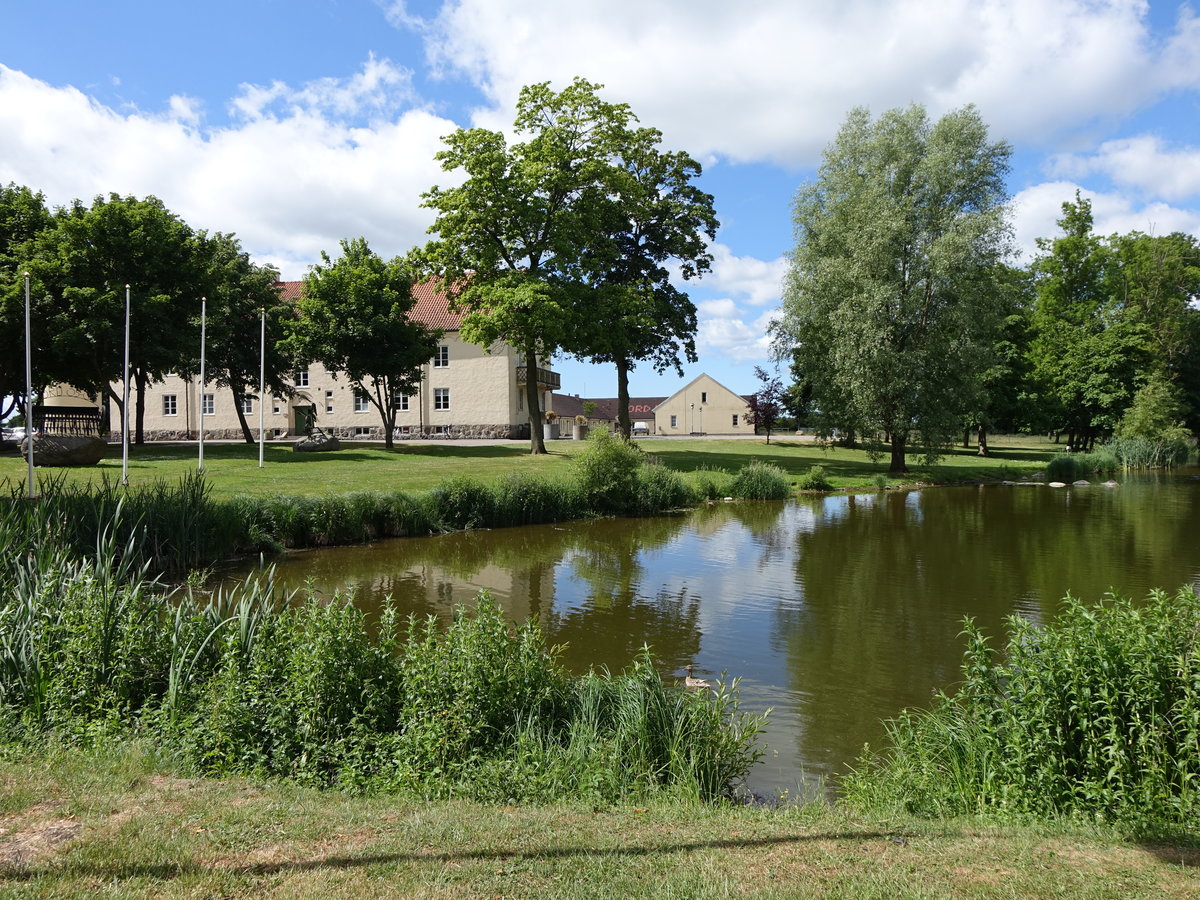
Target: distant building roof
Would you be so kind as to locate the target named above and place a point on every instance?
(606, 407)
(432, 307)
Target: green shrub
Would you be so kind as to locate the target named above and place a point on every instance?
(661, 490)
(525, 499)
(463, 503)
(1066, 467)
(760, 481)
(607, 473)
(710, 484)
(814, 480)
(1096, 716)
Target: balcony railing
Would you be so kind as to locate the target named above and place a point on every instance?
(544, 377)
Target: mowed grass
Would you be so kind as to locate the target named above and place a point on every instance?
(232, 469)
(123, 823)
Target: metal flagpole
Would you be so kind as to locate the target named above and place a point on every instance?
(125, 401)
(262, 386)
(200, 389)
(28, 393)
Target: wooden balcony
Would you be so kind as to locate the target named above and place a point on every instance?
(544, 377)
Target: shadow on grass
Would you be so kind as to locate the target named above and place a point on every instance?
(164, 871)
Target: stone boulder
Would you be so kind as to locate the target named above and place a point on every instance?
(65, 450)
(317, 443)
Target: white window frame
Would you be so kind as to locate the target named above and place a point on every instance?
(170, 404)
(674, 421)
(247, 404)
(441, 359)
(276, 405)
(208, 404)
(402, 403)
(328, 402)
(362, 402)
(441, 399)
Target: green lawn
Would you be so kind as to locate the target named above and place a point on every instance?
(120, 823)
(233, 468)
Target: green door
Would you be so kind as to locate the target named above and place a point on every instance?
(304, 420)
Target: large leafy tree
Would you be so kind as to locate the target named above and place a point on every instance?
(656, 217)
(890, 295)
(23, 216)
(82, 265)
(239, 293)
(1086, 350)
(511, 238)
(354, 320)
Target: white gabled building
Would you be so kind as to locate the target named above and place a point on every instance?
(465, 392)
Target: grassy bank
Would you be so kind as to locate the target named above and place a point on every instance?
(122, 822)
(233, 469)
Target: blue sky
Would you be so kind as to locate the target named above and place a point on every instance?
(295, 123)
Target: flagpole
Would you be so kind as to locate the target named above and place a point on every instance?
(200, 389)
(28, 393)
(262, 386)
(125, 401)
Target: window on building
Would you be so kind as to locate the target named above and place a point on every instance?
(170, 405)
(735, 415)
(704, 396)
(361, 403)
(402, 403)
(362, 431)
(208, 404)
(329, 401)
(301, 378)
(441, 359)
(674, 421)
(276, 405)
(248, 404)
(441, 398)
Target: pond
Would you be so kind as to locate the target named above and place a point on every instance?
(835, 612)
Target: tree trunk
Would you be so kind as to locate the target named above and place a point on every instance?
(387, 415)
(537, 444)
(898, 444)
(624, 425)
(139, 409)
(237, 407)
(983, 447)
(967, 437)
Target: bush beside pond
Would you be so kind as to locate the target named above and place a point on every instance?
(1095, 716)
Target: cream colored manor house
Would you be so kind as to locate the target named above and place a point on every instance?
(465, 392)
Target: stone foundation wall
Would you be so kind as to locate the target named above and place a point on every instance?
(374, 433)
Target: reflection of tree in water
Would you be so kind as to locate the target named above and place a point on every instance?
(606, 613)
(887, 580)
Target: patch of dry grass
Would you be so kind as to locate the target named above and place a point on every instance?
(121, 825)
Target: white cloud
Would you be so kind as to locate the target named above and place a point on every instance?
(291, 179)
(773, 80)
(1144, 163)
(1037, 209)
(758, 281)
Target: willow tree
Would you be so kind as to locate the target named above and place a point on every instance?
(511, 238)
(889, 300)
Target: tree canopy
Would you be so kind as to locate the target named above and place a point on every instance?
(512, 238)
(890, 297)
(655, 217)
(354, 320)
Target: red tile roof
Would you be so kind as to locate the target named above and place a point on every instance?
(432, 307)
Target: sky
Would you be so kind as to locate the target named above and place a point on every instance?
(297, 123)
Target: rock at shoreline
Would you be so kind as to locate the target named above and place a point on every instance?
(61, 450)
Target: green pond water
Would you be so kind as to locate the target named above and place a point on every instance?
(835, 612)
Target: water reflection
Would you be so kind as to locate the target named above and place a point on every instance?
(835, 611)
